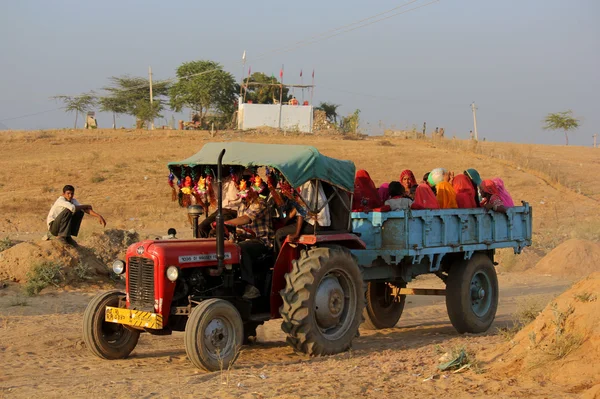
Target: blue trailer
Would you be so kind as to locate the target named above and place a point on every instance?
(457, 245)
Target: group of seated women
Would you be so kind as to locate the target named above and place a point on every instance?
(439, 189)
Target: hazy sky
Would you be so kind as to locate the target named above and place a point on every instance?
(517, 59)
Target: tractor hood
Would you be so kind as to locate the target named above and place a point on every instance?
(185, 253)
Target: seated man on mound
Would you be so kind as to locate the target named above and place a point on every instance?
(65, 216)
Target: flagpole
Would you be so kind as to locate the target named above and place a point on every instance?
(243, 72)
(312, 89)
(280, 95)
(302, 84)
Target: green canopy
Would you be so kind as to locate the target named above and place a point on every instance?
(298, 163)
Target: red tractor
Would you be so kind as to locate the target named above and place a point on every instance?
(194, 286)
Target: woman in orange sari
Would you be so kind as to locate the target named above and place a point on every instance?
(445, 195)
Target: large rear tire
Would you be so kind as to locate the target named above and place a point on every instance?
(107, 340)
(323, 301)
(472, 294)
(213, 335)
(383, 309)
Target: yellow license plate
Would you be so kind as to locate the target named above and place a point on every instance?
(136, 318)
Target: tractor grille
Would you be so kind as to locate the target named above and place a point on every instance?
(141, 283)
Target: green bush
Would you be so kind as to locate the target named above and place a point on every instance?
(42, 275)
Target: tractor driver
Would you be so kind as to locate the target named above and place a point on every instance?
(255, 217)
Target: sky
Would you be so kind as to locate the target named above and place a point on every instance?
(517, 60)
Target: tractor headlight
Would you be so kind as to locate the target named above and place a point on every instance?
(172, 273)
(118, 267)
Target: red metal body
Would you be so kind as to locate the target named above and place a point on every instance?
(181, 253)
(202, 253)
(289, 252)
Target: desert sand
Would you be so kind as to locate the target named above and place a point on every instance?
(123, 174)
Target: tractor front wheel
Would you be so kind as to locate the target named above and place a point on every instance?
(107, 340)
(323, 301)
(214, 334)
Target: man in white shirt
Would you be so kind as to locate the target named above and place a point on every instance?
(306, 224)
(65, 216)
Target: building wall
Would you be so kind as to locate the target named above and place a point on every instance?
(293, 117)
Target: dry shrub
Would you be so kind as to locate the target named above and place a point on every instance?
(528, 309)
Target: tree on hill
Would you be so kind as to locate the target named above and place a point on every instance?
(79, 104)
(127, 92)
(145, 112)
(561, 121)
(204, 86)
(261, 90)
(330, 110)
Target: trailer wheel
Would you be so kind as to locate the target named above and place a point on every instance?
(213, 334)
(323, 301)
(107, 340)
(383, 309)
(472, 294)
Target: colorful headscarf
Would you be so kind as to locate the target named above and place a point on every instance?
(411, 179)
(436, 176)
(384, 192)
(465, 192)
(503, 193)
(446, 197)
(424, 198)
(474, 176)
(488, 186)
(365, 192)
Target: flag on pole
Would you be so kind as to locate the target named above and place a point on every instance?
(244, 57)
(301, 73)
(281, 73)
(249, 70)
(313, 74)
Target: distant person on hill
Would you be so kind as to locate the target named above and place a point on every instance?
(65, 216)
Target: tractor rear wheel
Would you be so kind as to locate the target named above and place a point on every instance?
(383, 308)
(213, 334)
(323, 301)
(472, 294)
(107, 340)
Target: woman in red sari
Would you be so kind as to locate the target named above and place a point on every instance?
(407, 179)
(465, 193)
(425, 198)
(366, 197)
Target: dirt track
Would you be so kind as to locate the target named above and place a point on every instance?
(42, 351)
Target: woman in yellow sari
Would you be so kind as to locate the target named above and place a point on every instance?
(446, 196)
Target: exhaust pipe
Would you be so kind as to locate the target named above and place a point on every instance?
(219, 219)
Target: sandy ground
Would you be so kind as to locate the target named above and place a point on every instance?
(123, 174)
(43, 351)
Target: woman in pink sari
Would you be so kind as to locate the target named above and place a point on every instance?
(503, 193)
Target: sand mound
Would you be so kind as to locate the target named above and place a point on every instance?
(562, 344)
(111, 244)
(96, 253)
(572, 258)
